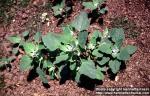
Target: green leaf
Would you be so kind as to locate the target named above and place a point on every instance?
(103, 61)
(58, 9)
(61, 58)
(95, 35)
(25, 63)
(37, 37)
(81, 22)
(87, 68)
(123, 55)
(30, 48)
(105, 48)
(41, 74)
(51, 41)
(82, 37)
(131, 49)
(47, 64)
(98, 2)
(15, 51)
(77, 77)
(89, 5)
(99, 74)
(117, 35)
(103, 10)
(14, 39)
(97, 53)
(25, 33)
(72, 66)
(114, 66)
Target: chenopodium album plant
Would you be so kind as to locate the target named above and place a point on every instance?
(82, 53)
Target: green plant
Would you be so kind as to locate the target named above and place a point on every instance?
(82, 53)
(95, 4)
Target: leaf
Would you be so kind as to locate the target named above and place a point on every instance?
(51, 41)
(82, 37)
(95, 35)
(103, 10)
(29, 48)
(15, 51)
(58, 9)
(123, 55)
(72, 66)
(114, 66)
(99, 74)
(105, 48)
(98, 2)
(67, 35)
(97, 53)
(117, 35)
(131, 49)
(25, 63)
(37, 37)
(47, 64)
(87, 68)
(89, 5)
(61, 58)
(14, 39)
(25, 33)
(103, 61)
(81, 22)
(77, 77)
(41, 74)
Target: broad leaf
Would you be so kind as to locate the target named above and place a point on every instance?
(61, 58)
(37, 37)
(123, 55)
(117, 35)
(41, 74)
(51, 41)
(97, 53)
(58, 9)
(114, 66)
(88, 69)
(47, 64)
(103, 61)
(131, 49)
(15, 51)
(82, 37)
(77, 77)
(25, 33)
(14, 39)
(105, 48)
(99, 74)
(89, 5)
(95, 35)
(29, 48)
(72, 66)
(81, 22)
(25, 63)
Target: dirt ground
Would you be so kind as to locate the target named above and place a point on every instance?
(137, 30)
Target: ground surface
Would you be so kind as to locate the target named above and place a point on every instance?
(136, 73)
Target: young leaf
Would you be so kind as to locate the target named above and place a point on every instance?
(51, 41)
(41, 74)
(72, 66)
(37, 37)
(15, 51)
(77, 77)
(95, 35)
(131, 49)
(105, 48)
(97, 53)
(103, 61)
(25, 34)
(47, 64)
(87, 68)
(82, 37)
(117, 35)
(114, 66)
(99, 74)
(123, 55)
(29, 48)
(89, 5)
(61, 58)
(14, 39)
(81, 22)
(25, 63)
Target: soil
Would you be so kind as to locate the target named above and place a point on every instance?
(136, 73)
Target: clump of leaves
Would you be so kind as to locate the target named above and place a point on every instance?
(78, 53)
(96, 5)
